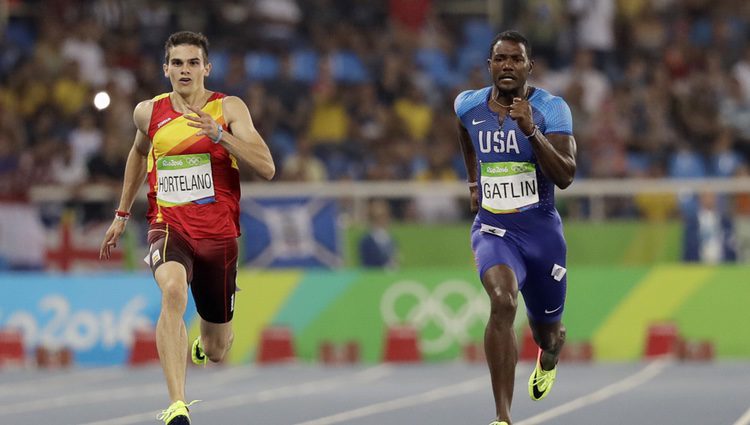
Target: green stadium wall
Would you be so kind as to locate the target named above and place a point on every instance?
(628, 243)
(610, 306)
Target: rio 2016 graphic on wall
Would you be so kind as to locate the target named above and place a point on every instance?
(93, 315)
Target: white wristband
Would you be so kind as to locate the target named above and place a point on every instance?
(472, 184)
(221, 133)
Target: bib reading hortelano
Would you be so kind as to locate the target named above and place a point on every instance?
(508, 186)
(181, 179)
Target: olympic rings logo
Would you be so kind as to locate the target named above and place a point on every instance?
(454, 306)
(191, 160)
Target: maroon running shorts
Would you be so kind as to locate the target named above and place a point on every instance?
(211, 266)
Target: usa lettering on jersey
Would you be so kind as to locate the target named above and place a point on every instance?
(497, 142)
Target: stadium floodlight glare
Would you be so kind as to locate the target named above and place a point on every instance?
(101, 100)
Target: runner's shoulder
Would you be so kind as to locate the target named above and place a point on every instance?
(469, 99)
(234, 103)
(142, 113)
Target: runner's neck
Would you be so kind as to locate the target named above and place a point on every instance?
(197, 99)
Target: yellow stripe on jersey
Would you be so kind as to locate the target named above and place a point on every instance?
(176, 136)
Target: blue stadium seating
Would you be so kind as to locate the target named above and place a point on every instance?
(261, 66)
(305, 65)
(436, 64)
(348, 68)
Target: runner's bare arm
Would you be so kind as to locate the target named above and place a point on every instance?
(556, 155)
(244, 141)
(135, 174)
(555, 152)
(470, 160)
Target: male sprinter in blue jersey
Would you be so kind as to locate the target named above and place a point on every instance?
(518, 144)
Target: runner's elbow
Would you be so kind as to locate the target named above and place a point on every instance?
(268, 171)
(564, 181)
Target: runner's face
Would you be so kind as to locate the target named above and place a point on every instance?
(509, 65)
(186, 69)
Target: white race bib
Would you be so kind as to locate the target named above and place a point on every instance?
(508, 187)
(182, 179)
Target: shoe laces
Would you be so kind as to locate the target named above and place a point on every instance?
(543, 378)
(174, 406)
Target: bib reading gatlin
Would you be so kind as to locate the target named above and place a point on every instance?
(508, 187)
(183, 179)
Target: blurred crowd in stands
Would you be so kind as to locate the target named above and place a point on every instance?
(363, 90)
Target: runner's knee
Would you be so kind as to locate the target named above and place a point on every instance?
(553, 341)
(174, 294)
(503, 305)
(216, 347)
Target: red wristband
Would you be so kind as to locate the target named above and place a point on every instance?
(123, 214)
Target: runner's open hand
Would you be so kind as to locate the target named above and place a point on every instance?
(520, 111)
(208, 126)
(111, 237)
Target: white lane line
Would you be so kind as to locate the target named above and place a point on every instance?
(311, 387)
(744, 420)
(78, 377)
(116, 394)
(464, 387)
(97, 396)
(643, 376)
(461, 388)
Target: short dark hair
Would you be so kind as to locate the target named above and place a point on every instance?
(189, 38)
(511, 35)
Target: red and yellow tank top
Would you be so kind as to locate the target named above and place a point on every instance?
(194, 184)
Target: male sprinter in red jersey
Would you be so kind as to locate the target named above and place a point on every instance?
(188, 142)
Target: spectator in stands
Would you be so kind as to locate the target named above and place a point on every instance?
(369, 116)
(67, 169)
(277, 22)
(594, 30)
(86, 139)
(302, 165)
(329, 123)
(709, 232)
(429, 206)
(107, 165)
(236, 78)
(741, 71)
(286, 89)
(723, 160)
(84, 47)
(415, 112)
(29, 90)
(596, 87)
(377, 248)
(735, 114)
(546, 23)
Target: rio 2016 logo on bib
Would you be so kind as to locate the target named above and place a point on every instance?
(183, 179)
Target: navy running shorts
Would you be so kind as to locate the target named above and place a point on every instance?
(537, 257)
